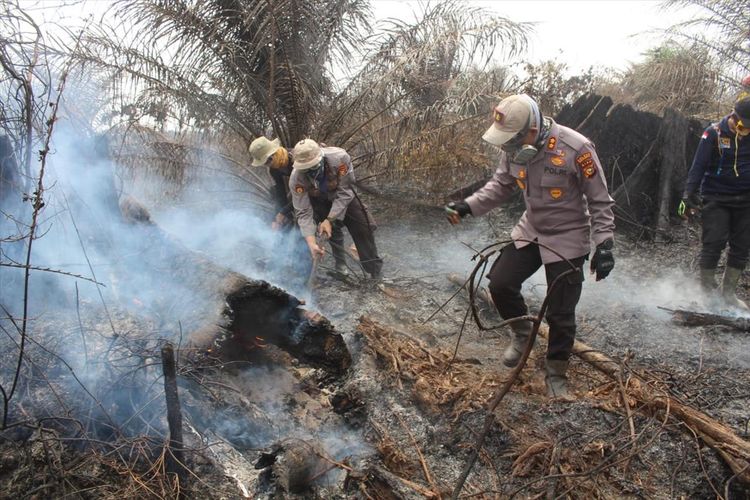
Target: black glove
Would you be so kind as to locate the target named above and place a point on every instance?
(689, 205)
(461, 208)
(603, 260)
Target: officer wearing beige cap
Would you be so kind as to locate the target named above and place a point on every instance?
(322, 187)
(567, 207)
(289, 257)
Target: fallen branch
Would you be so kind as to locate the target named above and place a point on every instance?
(692, 318)
(734, 450)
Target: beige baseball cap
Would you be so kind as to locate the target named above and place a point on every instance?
(307, 154)
(261, 149)
(511, 116)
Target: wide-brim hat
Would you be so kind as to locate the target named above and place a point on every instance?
(510, 117)
(307, 154)
(261, 149)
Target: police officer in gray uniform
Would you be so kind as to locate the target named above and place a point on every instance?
(322, 187)
(567, 206)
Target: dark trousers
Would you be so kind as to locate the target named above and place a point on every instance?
(725, 222)
(513, 267)
(360, 227)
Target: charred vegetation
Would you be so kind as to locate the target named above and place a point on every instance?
(159, 342)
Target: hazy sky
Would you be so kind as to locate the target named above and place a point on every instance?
(580, 33)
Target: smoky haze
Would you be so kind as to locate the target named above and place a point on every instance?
(109, 335)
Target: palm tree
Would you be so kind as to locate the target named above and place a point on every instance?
(720, 27)
(425, 87)
(243, 66)
(249, 67)
(675, 76)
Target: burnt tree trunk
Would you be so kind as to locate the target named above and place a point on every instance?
(175, 457)
(672, 170)
(632, 203)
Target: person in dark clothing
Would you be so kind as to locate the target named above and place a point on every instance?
(279, 163)
(718, 184)
(290, 249)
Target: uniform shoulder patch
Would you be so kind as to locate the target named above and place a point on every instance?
(299, 189)
(585, 162)
(343, 169)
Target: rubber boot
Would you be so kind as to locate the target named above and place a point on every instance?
(519, 337)
(707, 280)
(729, 287)
(339, 258)
(556, 379)
(341, 268)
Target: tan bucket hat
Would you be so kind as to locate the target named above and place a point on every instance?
(307, 154)
(511, 116)
(261, 149)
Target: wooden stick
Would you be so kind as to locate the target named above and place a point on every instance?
(176, 457)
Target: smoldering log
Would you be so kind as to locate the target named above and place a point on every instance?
(244, 314)
(693, 318)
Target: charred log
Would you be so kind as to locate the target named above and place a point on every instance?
(247, 314)
(692, 318)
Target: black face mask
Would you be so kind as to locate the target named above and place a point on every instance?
(515, 143)
(517, 151)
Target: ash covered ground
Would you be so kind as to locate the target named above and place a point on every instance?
(403, 420)
(539, 447)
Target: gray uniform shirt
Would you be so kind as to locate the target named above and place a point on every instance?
(340, 181)
(567, 202)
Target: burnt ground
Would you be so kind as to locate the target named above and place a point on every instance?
(401, 423)
(706, 367)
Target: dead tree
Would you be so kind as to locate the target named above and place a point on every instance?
(672, 167)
